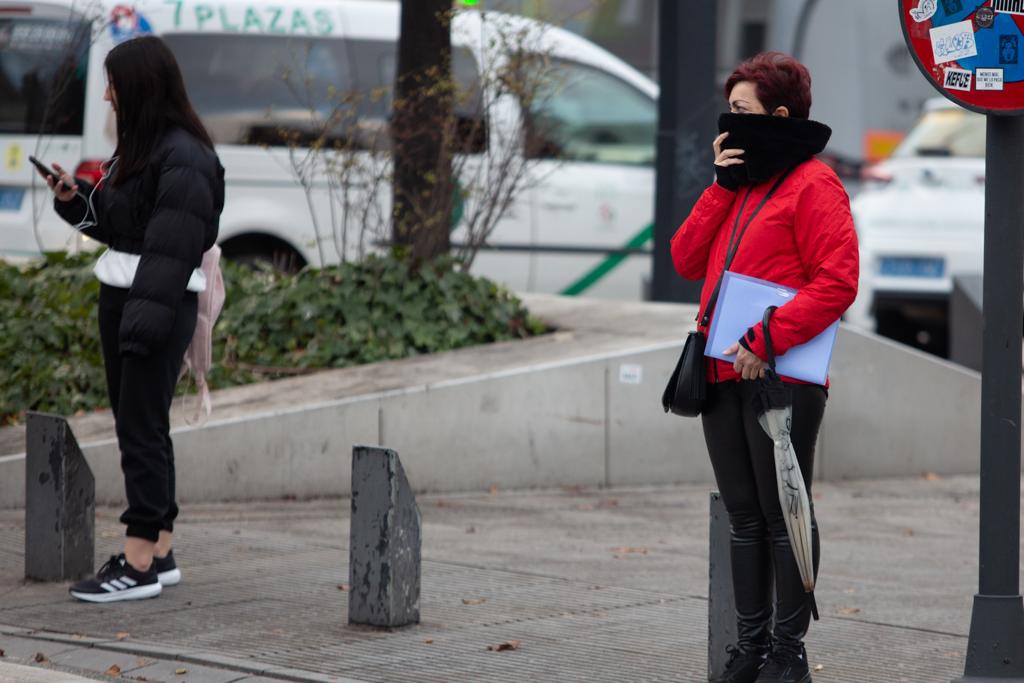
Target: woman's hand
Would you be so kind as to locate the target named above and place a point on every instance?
(68, 187)
(726, 157)
(747, 364)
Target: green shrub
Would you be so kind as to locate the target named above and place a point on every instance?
(273, 325)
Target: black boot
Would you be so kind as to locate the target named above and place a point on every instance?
(743, 665)
(793, 606)
(785, 666)
(751, 578)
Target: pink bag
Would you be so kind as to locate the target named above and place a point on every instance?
(199, 356)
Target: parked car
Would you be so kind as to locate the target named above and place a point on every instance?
(595, 194)
(920, 220)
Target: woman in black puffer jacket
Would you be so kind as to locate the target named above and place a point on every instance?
(157, 209)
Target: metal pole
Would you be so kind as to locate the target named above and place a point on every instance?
(686, 128)
(995, 650)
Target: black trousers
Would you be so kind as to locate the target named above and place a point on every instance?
(141, 389)
(742, 456)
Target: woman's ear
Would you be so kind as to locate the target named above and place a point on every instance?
(781, 111)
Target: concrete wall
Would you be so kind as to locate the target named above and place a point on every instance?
(589, 421)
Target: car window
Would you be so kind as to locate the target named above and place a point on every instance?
(43, 64)
(270, 90)
(945, 132)
(585, 114)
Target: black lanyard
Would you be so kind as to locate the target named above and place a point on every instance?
(734, 242)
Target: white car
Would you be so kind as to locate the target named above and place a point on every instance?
(920, 220)
(584, 227)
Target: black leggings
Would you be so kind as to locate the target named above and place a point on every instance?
(141, 389)
(742, 456)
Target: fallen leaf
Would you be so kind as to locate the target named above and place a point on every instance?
(473, 601)
(507, 645)
(471, 530)
(850, 591)
(429, 641)
(623, 550)
(77, 636)
(609, 503)
(180, 672)
(849, 610)
(114, 670)
(932, 476)
(493, 489)
(40, 658)
(821, 667)
(344, 587)
(908, 532)
(122, 635)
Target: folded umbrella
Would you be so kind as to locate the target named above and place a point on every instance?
(773, 403)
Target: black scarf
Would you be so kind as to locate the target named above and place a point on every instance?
(771, 144)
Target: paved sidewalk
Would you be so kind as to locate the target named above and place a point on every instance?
(596, 585)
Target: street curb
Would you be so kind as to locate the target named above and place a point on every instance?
(160, 653)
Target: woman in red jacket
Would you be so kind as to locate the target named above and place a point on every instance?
(802, 237)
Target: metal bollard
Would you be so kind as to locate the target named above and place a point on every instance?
(721, 603)
(60, 503)
(385, 542)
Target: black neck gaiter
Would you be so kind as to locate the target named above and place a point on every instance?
(771, 144)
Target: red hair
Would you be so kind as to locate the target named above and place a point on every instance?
(779, 80)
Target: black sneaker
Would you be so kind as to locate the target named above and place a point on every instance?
(118, 580)
(786, 667)
(742, 667)
(167, 571)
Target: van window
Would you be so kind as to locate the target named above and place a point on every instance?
(43, 64)
(266, 90)
(584, 114)
(951, 132)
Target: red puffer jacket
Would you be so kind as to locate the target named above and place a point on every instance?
(802, 238)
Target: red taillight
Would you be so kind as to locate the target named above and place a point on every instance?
(876, 174)
(24, 11)
(91, 170)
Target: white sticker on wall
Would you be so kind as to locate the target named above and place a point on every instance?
(631, 374)
(988, 79)
(957, 79)
(953, 42)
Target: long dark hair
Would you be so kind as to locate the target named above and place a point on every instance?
(150, 97)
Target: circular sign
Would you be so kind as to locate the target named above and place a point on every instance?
(969, 50)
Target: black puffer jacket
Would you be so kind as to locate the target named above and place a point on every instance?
(169, 214)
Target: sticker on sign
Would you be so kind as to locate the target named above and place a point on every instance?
(957, 79)
(988, 79)
(953, 42)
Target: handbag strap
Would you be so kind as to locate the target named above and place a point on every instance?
(734, 242)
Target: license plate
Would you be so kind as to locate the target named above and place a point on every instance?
(913, 267)
(11, 198)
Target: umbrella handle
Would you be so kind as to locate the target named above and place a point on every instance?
(769, 347)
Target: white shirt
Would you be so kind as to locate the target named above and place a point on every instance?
(117, 269)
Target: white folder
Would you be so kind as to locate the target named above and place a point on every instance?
(741, 305)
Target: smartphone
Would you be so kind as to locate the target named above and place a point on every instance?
(47, 171)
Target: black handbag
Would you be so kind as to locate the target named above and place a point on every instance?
(687, 389)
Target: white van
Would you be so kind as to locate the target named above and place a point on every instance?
(584, 228)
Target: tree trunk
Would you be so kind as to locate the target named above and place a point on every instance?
(422, 187)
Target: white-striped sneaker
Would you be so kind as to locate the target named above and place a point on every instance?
(118, 580)
(167, 572)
